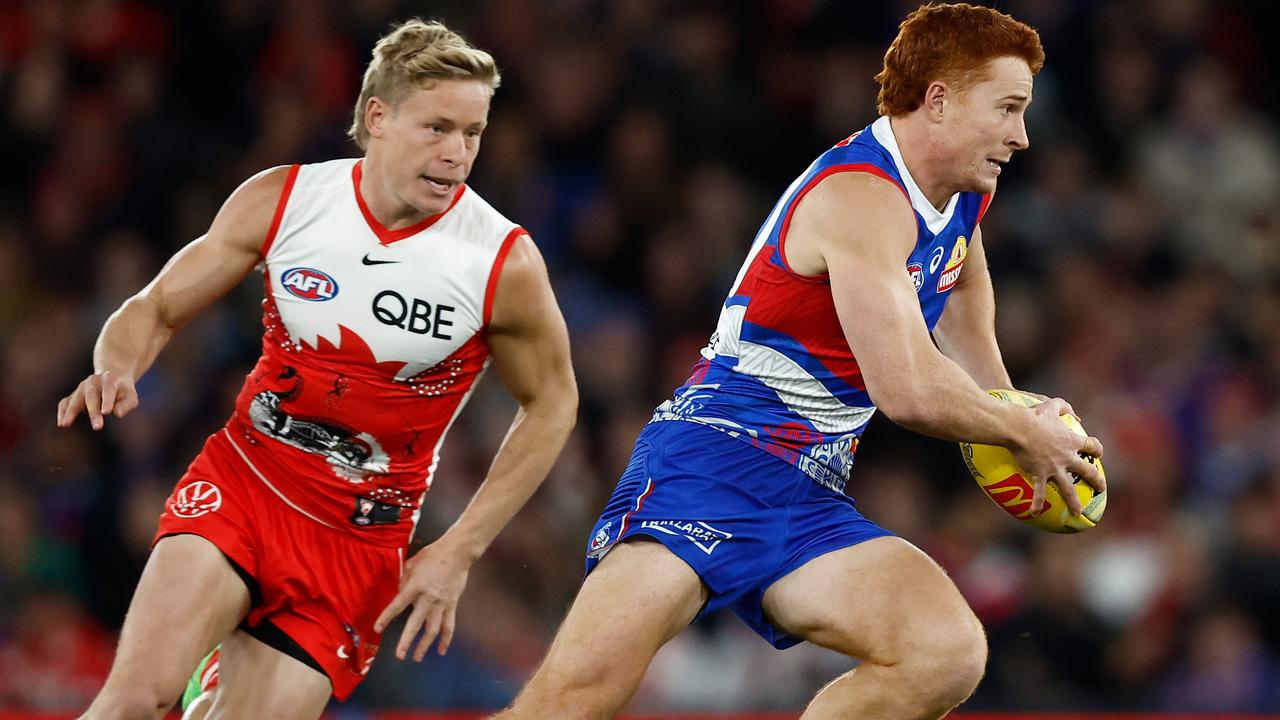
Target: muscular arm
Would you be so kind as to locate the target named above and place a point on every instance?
(862, 230)
(857, 226)
(966, 333)
(194, 277)
(530, 348)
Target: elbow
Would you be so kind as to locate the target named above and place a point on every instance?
(569, 405)
(904, 405)
(558, 407)
(147, 307)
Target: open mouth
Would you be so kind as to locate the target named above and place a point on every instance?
(995, 165)
(439, 185)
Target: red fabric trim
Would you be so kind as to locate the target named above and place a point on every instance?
(828, 172)
(496, 270)
(835, 357)
(986, 202)
(280, 205)
(626, 519)
(385, 236)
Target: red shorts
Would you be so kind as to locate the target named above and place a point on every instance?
(315, 590)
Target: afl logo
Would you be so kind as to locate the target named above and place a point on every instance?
(198, 498)
(309, 284)
(917, 275)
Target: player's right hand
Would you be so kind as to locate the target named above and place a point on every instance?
(1052, 455)
(100, 394)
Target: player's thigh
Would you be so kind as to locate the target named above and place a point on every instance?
(638, 597)
(257, 681)
(189, 598)
(883, 601)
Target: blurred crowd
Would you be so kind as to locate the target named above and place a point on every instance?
(1135, 250)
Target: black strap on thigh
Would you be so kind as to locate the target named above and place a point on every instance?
(273, 637)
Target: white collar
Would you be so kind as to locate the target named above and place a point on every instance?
(934, 220)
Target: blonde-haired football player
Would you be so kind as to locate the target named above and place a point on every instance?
(390, 287)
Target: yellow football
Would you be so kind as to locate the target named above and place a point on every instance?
(1007, 485)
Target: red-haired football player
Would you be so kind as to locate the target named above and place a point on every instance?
(734, 494)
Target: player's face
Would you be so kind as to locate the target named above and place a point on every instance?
(987, 124)
(432, 139)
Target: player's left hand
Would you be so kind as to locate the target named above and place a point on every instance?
(1045, 398)
(432, 582)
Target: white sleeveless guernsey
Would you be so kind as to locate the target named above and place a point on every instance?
(374, 340)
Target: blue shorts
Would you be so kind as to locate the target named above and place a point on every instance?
(740, 517)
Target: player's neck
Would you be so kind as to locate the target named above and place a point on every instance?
(923, 158)
(391, 212)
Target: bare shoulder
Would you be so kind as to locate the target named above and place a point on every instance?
(246, 216)
(523, 289)
(524, 261)
(524, 272)
(848, 212)
(213, 263)
(848, 195)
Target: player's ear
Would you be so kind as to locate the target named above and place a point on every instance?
(935, 99)
(375, 115)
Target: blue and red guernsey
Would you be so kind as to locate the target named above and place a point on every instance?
(778, 372)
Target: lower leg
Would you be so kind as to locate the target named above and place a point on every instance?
(639, 597)
(897, 692)
(187, 599)
(149, 702)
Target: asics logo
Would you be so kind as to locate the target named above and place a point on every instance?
(935, 259)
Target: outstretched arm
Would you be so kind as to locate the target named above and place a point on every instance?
(530, 347)
(198, 274)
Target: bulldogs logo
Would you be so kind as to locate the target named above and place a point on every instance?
(601, 538)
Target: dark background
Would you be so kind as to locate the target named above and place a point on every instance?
(1135, 249)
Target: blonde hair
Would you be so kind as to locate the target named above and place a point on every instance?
(417, 54)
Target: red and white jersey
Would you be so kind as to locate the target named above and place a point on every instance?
(374, 340)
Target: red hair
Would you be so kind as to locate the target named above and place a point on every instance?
(952, 43)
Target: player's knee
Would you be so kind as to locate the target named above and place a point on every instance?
(569, 698)
(948, 668)
(587, 692)
(132, 701)
(963, 672)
